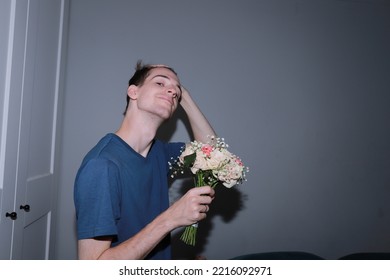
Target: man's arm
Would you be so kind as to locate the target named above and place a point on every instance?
(200, 126)
(189, 209)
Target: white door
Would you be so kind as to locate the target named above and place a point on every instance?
(5, 202)
(30, 139)
(11, 81)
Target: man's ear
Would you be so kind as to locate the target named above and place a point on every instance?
(132, 91)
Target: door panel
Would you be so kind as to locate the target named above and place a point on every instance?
(37, 133)
(35, 239)
(38, 194)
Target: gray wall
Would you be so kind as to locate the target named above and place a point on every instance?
(299, 90)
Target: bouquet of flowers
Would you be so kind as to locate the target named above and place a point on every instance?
(210, 163)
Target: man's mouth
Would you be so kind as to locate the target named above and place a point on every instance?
(167, 100)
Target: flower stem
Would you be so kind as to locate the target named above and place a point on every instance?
(189, 234)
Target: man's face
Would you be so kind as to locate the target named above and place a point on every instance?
(160, 93)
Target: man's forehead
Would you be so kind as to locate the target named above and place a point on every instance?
(164, 72)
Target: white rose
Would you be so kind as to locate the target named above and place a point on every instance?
(200, 162)
(230, 183)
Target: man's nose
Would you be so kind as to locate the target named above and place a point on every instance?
(172, 91)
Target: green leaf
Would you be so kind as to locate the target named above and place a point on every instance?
(189, 160)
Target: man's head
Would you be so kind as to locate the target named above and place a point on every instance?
(142, 71)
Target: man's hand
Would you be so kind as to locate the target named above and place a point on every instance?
(192, 207)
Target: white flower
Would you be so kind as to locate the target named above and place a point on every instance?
(214, 158)
(200, 162)
(217, 159)
(229, 184)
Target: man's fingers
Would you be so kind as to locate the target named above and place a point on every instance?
(204, 190)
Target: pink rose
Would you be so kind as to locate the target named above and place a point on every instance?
(207, 149)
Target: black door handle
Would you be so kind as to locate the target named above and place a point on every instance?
(26, 207)
(12, 215)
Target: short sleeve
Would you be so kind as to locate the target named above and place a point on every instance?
(96, 196)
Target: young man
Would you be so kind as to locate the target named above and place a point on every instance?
(121, 189)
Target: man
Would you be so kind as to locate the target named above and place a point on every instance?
(121, 189)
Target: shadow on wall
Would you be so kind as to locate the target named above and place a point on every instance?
(227, 203)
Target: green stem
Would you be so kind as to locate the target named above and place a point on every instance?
(189, 234)
(199, 179)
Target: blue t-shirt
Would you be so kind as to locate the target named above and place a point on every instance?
(118, 192)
